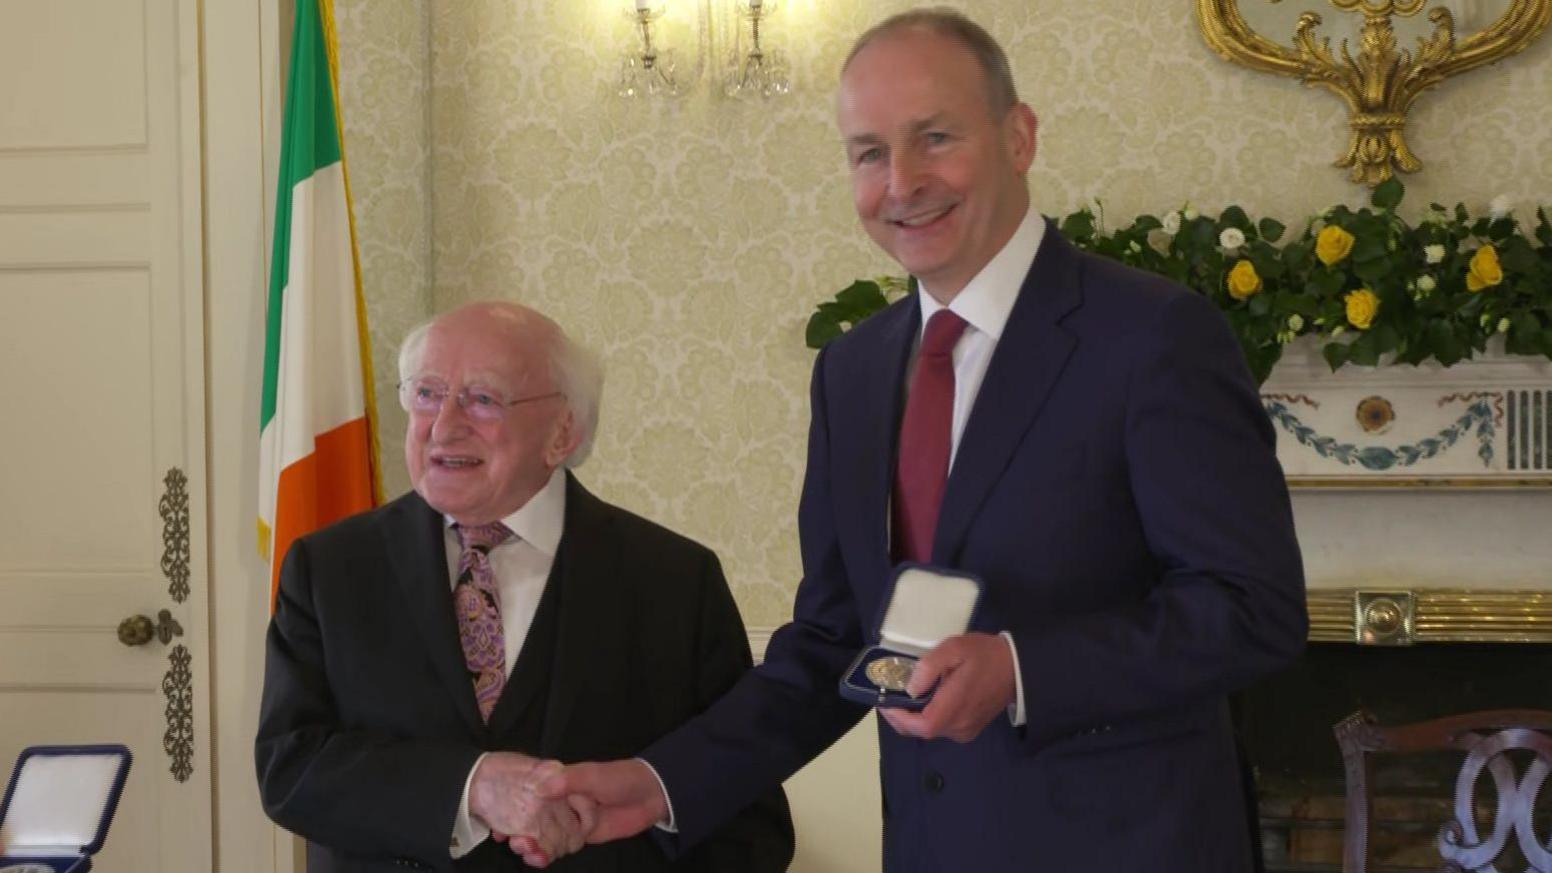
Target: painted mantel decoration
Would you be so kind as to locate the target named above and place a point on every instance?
(1483, 422)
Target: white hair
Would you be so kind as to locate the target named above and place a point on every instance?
(578, 375)
(574, 370)
(412, 348)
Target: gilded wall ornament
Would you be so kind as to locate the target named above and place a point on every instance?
(1382, 81)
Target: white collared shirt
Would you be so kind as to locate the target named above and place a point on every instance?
(522, 567)
(985, 303)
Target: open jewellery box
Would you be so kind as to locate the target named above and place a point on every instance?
(58, 807)
(924, 606)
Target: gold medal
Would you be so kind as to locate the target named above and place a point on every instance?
(891, 673)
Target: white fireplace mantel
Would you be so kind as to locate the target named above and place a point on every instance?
(1485, 422)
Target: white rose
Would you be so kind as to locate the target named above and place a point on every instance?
(1172, 223)
(1231, 238)
(1295, 322)
(1500, 206)
(1188, 214)
(1503, 325)
(1425, 283)
(1434, 253)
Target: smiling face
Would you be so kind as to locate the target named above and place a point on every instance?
(937, 176)
(481, 471)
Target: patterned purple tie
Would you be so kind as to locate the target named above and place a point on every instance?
(478, 604)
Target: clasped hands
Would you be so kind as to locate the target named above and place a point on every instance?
(545, 810)
(504, 794)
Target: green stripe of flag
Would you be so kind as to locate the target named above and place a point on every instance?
(309, 141)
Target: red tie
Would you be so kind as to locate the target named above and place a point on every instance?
(925, 437)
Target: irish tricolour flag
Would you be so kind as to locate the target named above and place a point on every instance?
(317, 440)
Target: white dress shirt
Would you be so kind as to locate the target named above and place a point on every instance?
(522, 567)
(984, 304)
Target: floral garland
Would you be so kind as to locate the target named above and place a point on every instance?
(1373, 287)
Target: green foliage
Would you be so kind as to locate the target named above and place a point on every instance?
(1427, 310)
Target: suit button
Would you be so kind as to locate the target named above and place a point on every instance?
(933, 782)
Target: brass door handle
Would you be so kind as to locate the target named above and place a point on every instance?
(137, 630)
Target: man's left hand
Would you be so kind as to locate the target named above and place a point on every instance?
(974, 678)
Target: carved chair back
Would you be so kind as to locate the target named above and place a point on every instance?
(1468, 841)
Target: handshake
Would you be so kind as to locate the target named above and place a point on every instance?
(544, 810)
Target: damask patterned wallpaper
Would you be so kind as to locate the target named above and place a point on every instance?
(688, 240)
(385, 79)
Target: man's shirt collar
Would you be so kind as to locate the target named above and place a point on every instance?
(540, 521)
(987, 300)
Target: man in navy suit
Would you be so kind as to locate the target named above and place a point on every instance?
(1084, 438)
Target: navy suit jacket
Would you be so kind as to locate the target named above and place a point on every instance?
(1117, 489)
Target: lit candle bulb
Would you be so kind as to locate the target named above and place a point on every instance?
(643, 5)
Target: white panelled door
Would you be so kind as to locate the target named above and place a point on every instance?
(102, 434)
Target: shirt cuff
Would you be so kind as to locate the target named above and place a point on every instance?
(468, 831)
(667, 825)
(1016, 710)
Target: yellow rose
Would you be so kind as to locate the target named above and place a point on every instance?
(1485, 270)
(1243, 281)
(1362, 306)
(1333, 244)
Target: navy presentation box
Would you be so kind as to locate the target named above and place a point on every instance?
(925, 606)
(58, 807)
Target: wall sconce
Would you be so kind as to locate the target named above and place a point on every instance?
(752, 69)
(760, 71)
(649, 70)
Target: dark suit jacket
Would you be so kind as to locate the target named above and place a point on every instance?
(369, 728)
(1117, 490)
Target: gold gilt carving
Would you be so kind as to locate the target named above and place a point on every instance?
(1438, 615)
(1382, 82)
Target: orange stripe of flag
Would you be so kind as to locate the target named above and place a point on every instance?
(303, 503)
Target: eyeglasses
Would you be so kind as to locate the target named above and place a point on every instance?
(427, 396)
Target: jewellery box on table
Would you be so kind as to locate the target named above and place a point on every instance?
(58, 807)
(924, 606)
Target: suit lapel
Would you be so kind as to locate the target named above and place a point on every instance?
(876, 398)
(1029, 358)
(591, 622)
(418, 555)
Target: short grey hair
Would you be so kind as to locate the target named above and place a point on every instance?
(575, 370)
(1001, 94)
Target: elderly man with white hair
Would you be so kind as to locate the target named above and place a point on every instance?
(429, 662)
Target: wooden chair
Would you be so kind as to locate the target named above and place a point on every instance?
(1484, 737)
